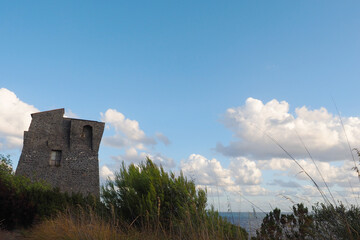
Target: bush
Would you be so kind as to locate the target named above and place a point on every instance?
(15, 207)
(337, 222)
(22, 202)
(324, 222)
(148, 192)
(142, 201)
(297, 225)
(148, 197)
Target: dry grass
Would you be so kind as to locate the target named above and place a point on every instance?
(81, 225)
(14, 235)
(85, 225)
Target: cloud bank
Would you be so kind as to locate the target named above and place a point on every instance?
(319, 130)
(256, 162)
(251, 152)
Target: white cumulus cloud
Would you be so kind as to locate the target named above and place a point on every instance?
(130, 138)
(340, 175)
(242, 175)
(127, 132)
(106, 173)
(15, 118)
(205, 171)
(320, 131)
(245, 171)
(131, 155)
(70, 114)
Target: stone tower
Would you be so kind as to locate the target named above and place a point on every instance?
(62, 151)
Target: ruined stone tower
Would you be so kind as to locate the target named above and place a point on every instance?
(62, 151)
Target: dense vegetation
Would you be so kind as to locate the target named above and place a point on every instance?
(324, 222)
(141, 202)
(23, 202)
(147, 196)
(146, 202)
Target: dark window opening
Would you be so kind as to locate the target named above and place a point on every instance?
(87, 136)
(55, 158)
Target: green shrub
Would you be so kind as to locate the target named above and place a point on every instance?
(15, 207)
(297, 225)
(148, 197)
(337, 222)
(142, 199)
(148, 192)
(22, 202)
(324, 222)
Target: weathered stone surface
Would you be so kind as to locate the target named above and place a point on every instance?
(62, 151)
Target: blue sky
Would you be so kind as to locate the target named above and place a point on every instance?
(195, 84)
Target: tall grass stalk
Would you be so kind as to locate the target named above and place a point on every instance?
(297, 163)
(347, 140)
(335, 215)
(317, 168)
